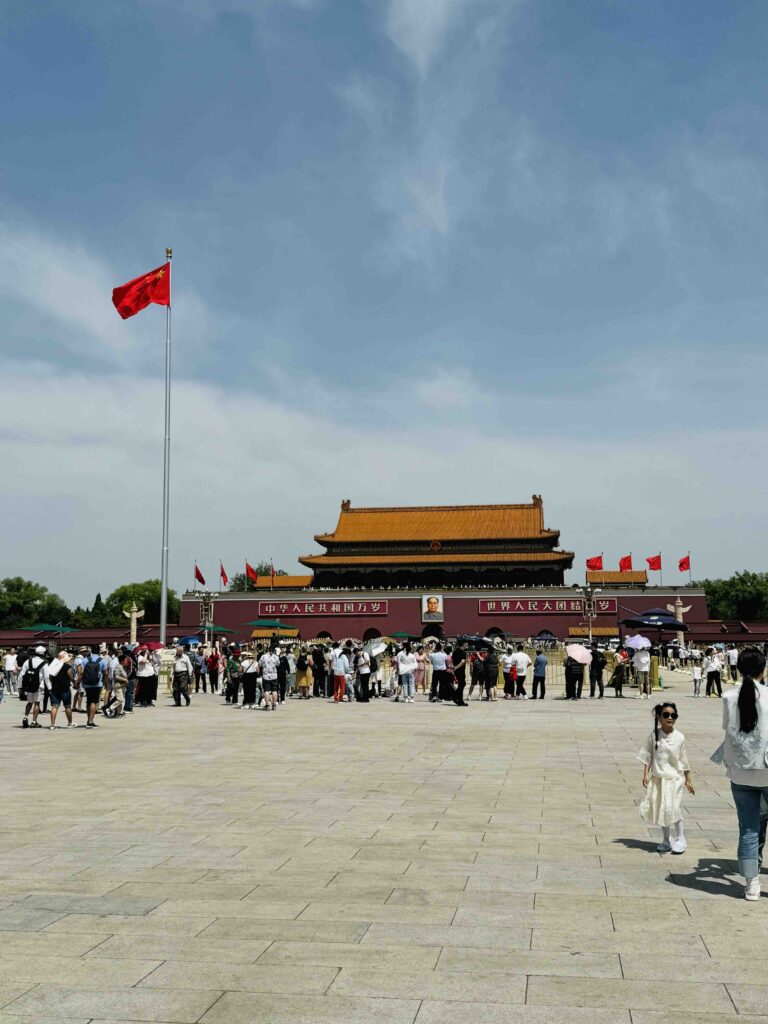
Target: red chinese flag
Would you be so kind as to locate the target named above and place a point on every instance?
(199, 576)
(654, 563)
(223, 574)
(155, 286)
(684, 565)
(272, 570)
(595, 564)
(625, 564)
(251, 573)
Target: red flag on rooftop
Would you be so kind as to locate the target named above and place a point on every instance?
(199, 576)
(223, 574)
(595, 564)
(684, 565)
(137, 294)
(654, 563)
(625, 563)
(251, 573)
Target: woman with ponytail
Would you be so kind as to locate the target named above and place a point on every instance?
(745, 754)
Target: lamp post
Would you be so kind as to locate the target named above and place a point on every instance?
(589, 594)
(206, 598)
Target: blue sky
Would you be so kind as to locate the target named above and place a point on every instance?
(426, 251)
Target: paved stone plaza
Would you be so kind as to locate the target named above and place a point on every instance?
(377, 864)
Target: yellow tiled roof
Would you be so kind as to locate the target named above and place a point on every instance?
(627, 578)
(439, 522)
(283, 582)
(354, 560)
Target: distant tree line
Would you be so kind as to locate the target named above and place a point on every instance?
(743, 596)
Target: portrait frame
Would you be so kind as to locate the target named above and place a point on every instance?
(431, 612)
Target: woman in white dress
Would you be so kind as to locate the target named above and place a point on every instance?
(665, 774)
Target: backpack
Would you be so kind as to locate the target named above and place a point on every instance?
(374, 663)
(92, 673)
(32, 677)
(302, 663)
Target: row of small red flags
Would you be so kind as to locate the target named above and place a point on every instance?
(625, 564)
(250, 573)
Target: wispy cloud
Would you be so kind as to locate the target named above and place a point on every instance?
(418, 28)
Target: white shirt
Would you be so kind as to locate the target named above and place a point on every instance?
(9, 663)
(364, 663)
(339, 663)
(507, 661)
(406, 663)
(523, 663)
(668, 760)
(733, 657)
(642, 661)
(182, 664)
(146, 668)
(744, 754)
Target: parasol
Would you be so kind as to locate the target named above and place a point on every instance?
(579, 653)
(638, 643)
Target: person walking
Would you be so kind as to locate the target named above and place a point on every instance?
(459, 658)
(642, 665)
(10, 669)
(711, 668)
(212, 664)
(406, 663)
(182, 675)
(92, 679)
(744, 751)
(339, 669)
(619, 674)
(596, 667)
(491, 673)
(304, 673)
(420, 675)
(33, 682)
(665, 773)
(539, 676)
(509, 671)
(60, 678)
(733, 661)
(146, 675)
(439, 661)
(363, 669)
(249, 677)
(696, 673)
(269, 663)
(522, 663)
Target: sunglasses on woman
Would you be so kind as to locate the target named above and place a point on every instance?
(669, 714)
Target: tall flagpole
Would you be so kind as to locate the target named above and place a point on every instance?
(690, 574)
(166, 463)
(661, 576)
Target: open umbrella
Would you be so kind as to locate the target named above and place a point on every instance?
(579, 653)
(638, 643)
(656, 618)
(47, 627)
(190, 640)
(151, 645)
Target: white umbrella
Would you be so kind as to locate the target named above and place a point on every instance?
(638, 643)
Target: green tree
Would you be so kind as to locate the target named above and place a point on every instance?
(743, 596)
(24, 603)
(146, 595)
(240, 583)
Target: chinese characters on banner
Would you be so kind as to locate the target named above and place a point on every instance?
(545, 605)
(323, 607)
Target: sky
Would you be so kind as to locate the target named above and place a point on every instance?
(425, 252)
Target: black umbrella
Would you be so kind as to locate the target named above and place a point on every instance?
(475, 640)
(656, 618)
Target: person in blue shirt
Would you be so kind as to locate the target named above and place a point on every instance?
(539, 675)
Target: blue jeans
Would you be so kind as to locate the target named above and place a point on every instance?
(129, 692)
(750, 802)
(406, 682)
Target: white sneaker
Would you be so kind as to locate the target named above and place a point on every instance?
(752, 889)
(679, 845)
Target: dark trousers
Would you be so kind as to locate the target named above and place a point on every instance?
(213, 675)
(579, 682)
(233, 688)
(197, 679)
(539, 681)
(129, 692)
(181, 688)
(318, 683)
(249, 687)
(364, 690)
(458, 693)
(595, 681)
(713, 683)
(282, 686)
(570, 686)
(520, 686)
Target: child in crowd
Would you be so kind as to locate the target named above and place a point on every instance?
(696, 678)
(665, 773)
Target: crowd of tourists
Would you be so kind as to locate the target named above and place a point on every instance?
(109, 681)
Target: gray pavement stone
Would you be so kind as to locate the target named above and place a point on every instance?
(372, 866)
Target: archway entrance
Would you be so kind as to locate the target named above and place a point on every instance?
(370, 634)
(433, 629)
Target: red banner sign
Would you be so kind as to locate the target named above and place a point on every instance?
(323, 607)
(545, 606)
